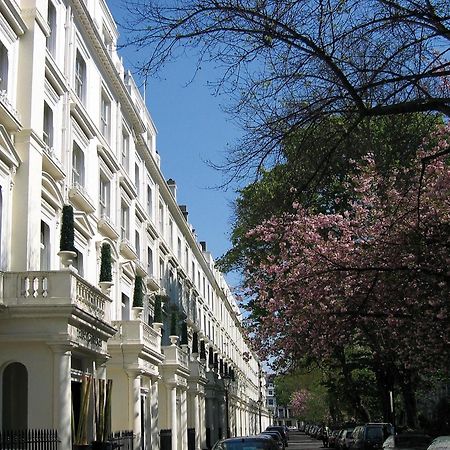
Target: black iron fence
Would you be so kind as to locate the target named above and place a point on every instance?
(29, 440)
(122, 440)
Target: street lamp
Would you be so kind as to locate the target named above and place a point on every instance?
(226, 384)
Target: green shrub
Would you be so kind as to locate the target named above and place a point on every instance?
(138, 294)
(67, 240)
(106, 263)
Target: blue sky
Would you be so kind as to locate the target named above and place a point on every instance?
(191, 129)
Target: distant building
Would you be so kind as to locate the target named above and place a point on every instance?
(75, 131)
(280, 414)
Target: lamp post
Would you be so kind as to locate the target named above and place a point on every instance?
(226, 384)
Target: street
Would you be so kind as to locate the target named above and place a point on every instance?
(301, 441)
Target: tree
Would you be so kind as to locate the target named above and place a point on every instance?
(365, 276)
(291, 64)
(392, 140)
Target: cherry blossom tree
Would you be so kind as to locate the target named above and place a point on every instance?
(375, 275)
(299, 402)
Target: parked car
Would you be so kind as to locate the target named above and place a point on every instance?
(332, 438)
(407, 441)
(277, 437)
(440, 443)
(262, 442)
(281, 430)
(345, 438)
(370, 436)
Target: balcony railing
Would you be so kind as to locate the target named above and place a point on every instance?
(137, 332)
(80, 196)
(174, 355)
(53, 289)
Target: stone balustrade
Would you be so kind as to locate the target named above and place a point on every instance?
(175, 355)
(137, 332)
(53, 289)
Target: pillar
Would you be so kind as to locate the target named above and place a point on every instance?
(62, 395)
(202, 421)
(183, 424)
(172, 401)
(134, 406)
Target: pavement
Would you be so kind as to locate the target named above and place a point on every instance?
(301, 441)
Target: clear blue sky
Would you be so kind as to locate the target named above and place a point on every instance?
(191, 129)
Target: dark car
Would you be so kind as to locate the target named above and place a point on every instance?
(276, 436)
(247, 443)
(281, 430)
(407, 441)
(370, 436)
(344, 438)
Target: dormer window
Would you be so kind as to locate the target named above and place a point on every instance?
(3, 68)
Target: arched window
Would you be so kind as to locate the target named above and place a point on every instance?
(15, 397)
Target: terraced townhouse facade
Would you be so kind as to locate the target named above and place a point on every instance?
(74, 130)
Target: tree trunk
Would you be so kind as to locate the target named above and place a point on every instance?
(385, 384)
(409, 399)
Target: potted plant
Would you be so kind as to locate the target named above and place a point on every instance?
(102, 399)
(138, 297)
(157, 314)
(195, 343)
(105, 280)
(80, 441)
(184, 336)
(67, 251)
(173, 327)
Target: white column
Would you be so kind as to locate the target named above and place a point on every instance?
(62, 395)
(183, 424)
(134, 406)
(172, 390)
(154, 411)
(202, 422)
(196, 407)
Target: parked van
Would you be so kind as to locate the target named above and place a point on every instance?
(370, 436)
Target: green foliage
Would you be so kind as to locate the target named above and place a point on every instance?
(174, 322)
(195, 342)
(319, 183)
(157, 315)
(106, 263)
(67, 229)
(138, 293)
(184, 334)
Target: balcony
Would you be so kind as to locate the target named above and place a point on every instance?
(9, 116)
(51, 163)
(80, 197)
(139, 334)
(176, 357)
(127, 250)
(107, 228)
(62, 303)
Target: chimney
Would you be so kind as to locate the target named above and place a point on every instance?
(184, 211)
(172, 187)
(203, 246)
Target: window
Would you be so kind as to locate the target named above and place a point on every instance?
(80, 77)
(125, 150)
(3, 68)
(105, 117)
(51, 20)
(15, 397)
(124, 221)
(193, 272)
(77, 165)
(149, 261)
(161, 218)
(150, 201)
(270, 401)
(137, 177)
(105, 195)
(137, 243)
(78, 263)
(45, 246)
(171, 233)
(48, 125)
(186, 258)
(125, 307)
(179, 250)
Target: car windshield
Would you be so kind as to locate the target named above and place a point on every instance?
(374, 434)
(412, 441)
(253, 444)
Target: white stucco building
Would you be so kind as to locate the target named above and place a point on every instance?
(74, 130)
